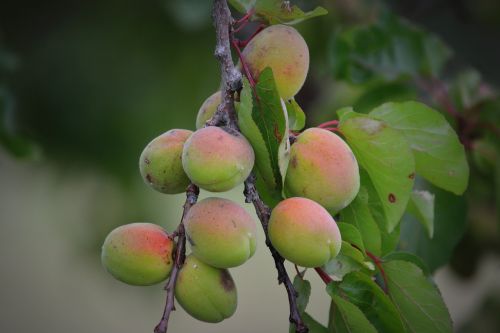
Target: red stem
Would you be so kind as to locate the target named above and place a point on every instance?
(323, 275)
(243, 63)
(328, 124)
(378, 262)
(245, 17)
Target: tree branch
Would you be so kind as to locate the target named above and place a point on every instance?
(264, 212)
(179, 257)
(231, 82)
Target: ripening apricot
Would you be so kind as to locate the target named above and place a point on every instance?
(304, 233)
(208, 109)
(217, 160)
(322, 168)
(221, 233)
(138, 254)
(283, 49)
(205, 292)
(161, 162)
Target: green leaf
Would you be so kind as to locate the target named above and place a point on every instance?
(243, 6)
(264, 123)
(390, 48)
(386, 156)
(303, 288)
(449, 226)
(380, 92)
(351, 234)
(358, 214)
(296, 116)
(417, 299)
(363, 292)
(348, 260)
(345, 316)
(313, 325)
(439, 155)
(274, 12)
(410, 257)
(421, 206)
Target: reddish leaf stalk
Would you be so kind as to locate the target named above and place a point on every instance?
(328, 124)
(378, 263)
(323, 275)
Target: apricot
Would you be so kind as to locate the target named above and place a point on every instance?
(283, 49)
(217, 160)
(138, 254)
(322, 168)
(208, 109)
(161, 162)
(205, 292)
(221, 233)
(303, 232)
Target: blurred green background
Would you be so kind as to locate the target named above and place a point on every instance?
(84, 86)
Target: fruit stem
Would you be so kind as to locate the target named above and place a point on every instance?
(192, 193)
(249, 76)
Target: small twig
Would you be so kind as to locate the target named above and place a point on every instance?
(248, 74)
(179, 257)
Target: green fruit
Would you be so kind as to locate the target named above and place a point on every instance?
(304, 233)
(161, 162)
(138, 254)
(221, 233)
(216, 160)
(322, 168)
(208, 109)
(205, 292)
(283, 49)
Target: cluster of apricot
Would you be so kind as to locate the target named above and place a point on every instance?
(322, 178)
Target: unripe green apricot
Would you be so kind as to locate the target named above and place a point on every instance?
(221, 233)
(283, 49)
(322, 168)
(304, 233)
(161, 162)
(138, 254)
(216, 160)
(205, 292)
(208, 109)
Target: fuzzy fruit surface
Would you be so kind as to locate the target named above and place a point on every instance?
(322, 168)
(216, 160)
(138, 254)
(304, 233)
(283, 49)
(221, 233)
(161, 162)
(208, 109)
(205, 292)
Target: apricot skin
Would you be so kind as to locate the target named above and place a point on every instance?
(138, 254)
(283, 49)
(205, 292)
(208, 109)
(304, 233)
(322, 168)
(221, 233)
(216, 160)
(161, 162)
